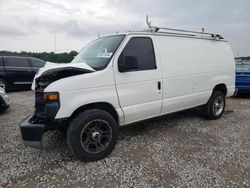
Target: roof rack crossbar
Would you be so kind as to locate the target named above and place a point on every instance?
(174, 33)
(182, 31)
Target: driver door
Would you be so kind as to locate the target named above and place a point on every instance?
(138, 79)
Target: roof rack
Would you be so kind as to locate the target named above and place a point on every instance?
(156, 29)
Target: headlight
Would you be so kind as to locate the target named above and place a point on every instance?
(51, 96)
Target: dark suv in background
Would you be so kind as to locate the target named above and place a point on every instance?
(18, 72)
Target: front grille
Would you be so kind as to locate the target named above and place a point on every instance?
(39, 95)
(45, 110)
(40, 104)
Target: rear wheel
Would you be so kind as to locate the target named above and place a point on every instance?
(3, 84)
(92, 135)
(215, 106)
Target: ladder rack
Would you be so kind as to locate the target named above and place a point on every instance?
(156, 29)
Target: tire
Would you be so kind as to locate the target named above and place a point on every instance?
(215, 106)
(92, 135)
(1, 104)
(3, 84)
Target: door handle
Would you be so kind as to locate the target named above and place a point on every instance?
(159, 85)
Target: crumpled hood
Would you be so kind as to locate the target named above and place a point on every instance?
(55, 71)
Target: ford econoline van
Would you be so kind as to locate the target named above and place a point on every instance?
(125, 78)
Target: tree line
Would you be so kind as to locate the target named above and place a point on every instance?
(64, 57)
(247, 58)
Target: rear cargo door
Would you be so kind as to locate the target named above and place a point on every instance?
(139, 87)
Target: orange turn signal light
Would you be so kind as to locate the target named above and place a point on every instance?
(51, 96)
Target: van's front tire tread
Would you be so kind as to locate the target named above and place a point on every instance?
(77, 124)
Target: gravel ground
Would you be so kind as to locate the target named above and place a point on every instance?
(178, 150)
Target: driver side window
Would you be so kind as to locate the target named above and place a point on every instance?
(137, 55)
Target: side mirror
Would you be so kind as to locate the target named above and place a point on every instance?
(129, 63)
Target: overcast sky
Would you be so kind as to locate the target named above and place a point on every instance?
(31, 25)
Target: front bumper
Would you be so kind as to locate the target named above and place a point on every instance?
(32, 134)
(32, 128)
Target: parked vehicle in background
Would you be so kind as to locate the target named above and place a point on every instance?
(125, 78)
(18, 72)
(4, 100)
(243, 77)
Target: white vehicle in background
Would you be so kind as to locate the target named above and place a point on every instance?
(125, 78)
(4, 100)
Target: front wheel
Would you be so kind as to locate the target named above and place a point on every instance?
(215, 106)
(92, 135)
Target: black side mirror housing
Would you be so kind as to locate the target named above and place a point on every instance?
(129, 63)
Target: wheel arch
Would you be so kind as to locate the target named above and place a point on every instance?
(221, 87)
(98, 105)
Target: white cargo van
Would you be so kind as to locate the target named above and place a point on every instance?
(125, 78)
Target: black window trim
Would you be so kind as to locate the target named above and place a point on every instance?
(14, 57)
(153, 54)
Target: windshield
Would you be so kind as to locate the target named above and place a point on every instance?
(98, 53)
(242, 67)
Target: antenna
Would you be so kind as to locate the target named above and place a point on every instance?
(181, 31)
(148, 22)
(55, 42)
(150, 27)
